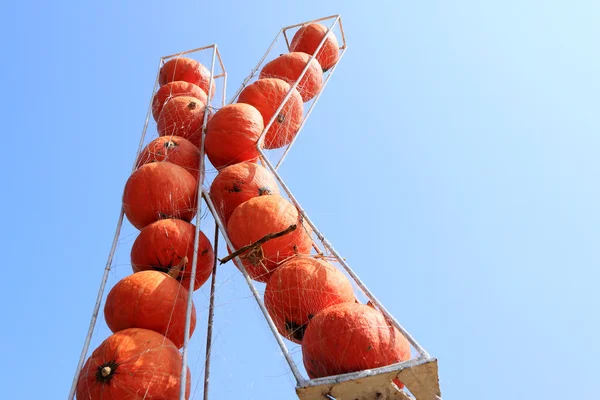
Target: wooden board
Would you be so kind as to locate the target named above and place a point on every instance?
(421, 379)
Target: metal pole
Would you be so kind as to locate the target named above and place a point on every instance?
(182, 53)
(188, 316)
(111, 254)
(211, 314)
(299, 378)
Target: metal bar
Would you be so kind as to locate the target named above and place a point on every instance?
(211, 314)
(283, 156)
(224, 74)
(299, 378)
(111, 255)
(188, 51)
(255, 68)
(287, 42)
(213, 281)
(311, 22)
(316, 248)
(188, 316)
(344, 44)
(329, 247)
(294, 86)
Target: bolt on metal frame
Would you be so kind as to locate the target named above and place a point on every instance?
(215, 57)
(418, 374)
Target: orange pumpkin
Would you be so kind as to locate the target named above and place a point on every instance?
(238, 183)
(267, 95)
(301, 288)
(188, 70)
(182, 116)
(288, 67)
(174, 149)
(162, 245)
(160, 190)
(307, 39)
(231, 135)
(133, 364)
(259, 216)
(174, 89)
(350, 337)
(150, 300)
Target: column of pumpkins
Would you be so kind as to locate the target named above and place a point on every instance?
(311, 302)
(146, 310)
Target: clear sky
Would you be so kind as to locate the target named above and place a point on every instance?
(453, 160)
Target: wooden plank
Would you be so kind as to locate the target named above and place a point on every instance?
(420, 379)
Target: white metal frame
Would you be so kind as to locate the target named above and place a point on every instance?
(215, 57)
(418, 374)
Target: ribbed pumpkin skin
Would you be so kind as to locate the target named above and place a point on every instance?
(159, 190)
(307, 39)
(289, 66)
(149, 300)
(174, 149)
(161, 246)
(351, 337)
(143, 365)
(188, 70)
(231, 135)
(301, 288)
(182, 116)
(267, 95)
(238, 183)
(175, 89)
(255, 218)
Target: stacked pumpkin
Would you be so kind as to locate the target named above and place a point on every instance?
(310, 301)
(146, 311)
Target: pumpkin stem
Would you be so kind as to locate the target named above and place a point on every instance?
(106, 371)
(254, 246)
(263, 190)
(174, 271)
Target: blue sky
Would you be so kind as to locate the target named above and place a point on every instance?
(452, 160)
